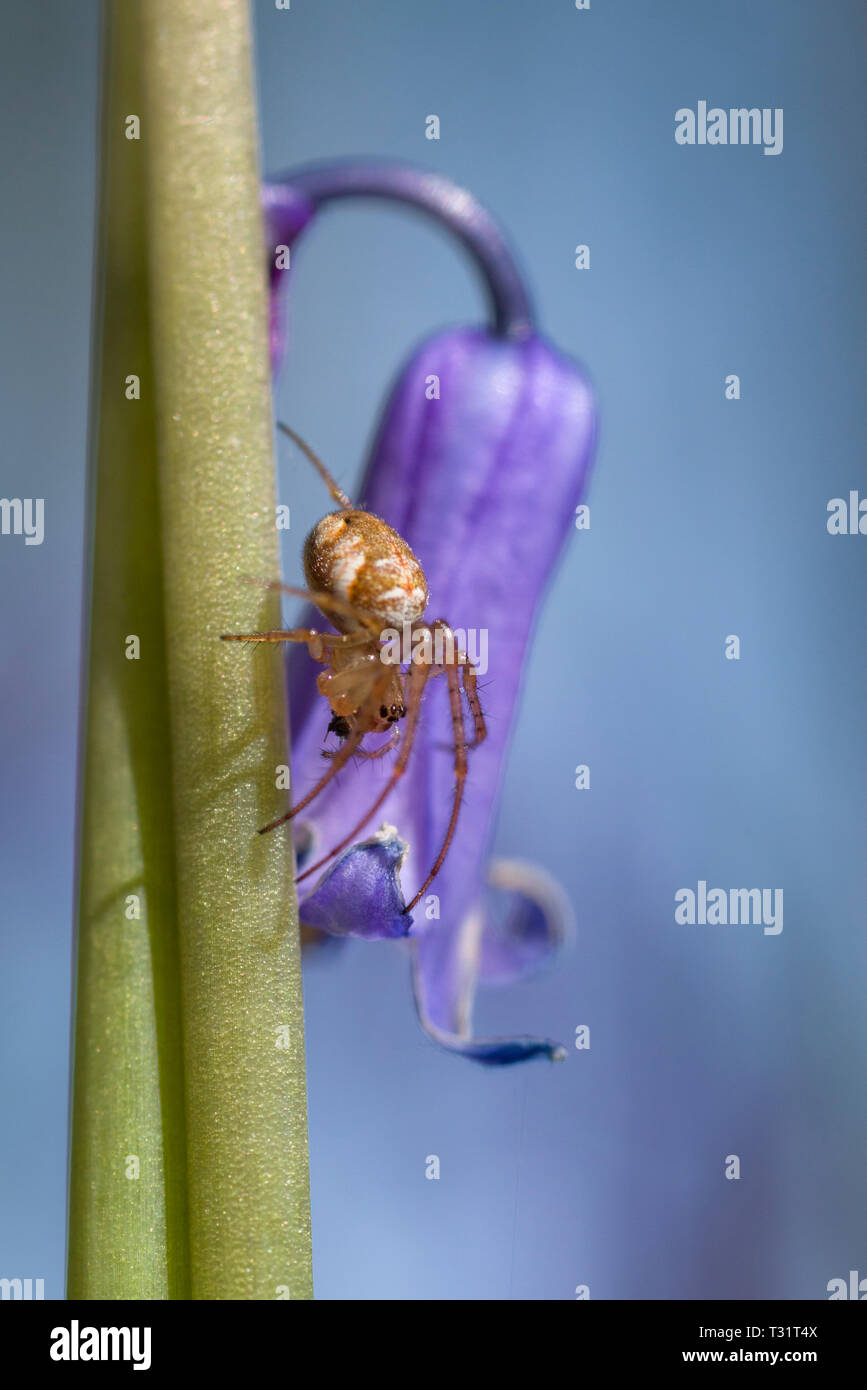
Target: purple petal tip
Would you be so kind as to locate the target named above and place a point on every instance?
(360, 895)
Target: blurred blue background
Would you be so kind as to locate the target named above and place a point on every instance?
(708, 518)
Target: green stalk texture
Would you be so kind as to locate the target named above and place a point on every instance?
(240, 1227)
(127, 1219)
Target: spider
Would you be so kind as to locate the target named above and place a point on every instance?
(365, 579)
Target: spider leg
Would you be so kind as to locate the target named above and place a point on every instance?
(369, 753)
(460, 747)
(416, 684)
(391, 742)
(330, 603)
(471, 684)
(339, 497)
(316, 641)
(341, 758)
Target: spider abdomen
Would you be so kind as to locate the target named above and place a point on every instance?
(361, 559)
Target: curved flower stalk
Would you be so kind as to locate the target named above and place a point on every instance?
(482, 453)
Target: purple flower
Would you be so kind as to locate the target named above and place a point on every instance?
(481, 457)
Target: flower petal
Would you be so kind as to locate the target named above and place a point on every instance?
(481, 457)
(483, 484)
(492, 1052)
(360, 895)
(521, 922)
(527, 918)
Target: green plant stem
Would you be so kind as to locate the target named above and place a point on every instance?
(240, 963)
(127, 1219)
(189, 1133)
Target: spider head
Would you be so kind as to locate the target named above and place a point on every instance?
(391, 713)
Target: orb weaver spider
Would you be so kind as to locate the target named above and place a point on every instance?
(365, 579)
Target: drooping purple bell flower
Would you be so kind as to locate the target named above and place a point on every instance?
(481, 457)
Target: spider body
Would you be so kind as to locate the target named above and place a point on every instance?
(356, 557)
(363, 563)
(365, 579)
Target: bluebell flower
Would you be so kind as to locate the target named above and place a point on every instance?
(481, 475)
